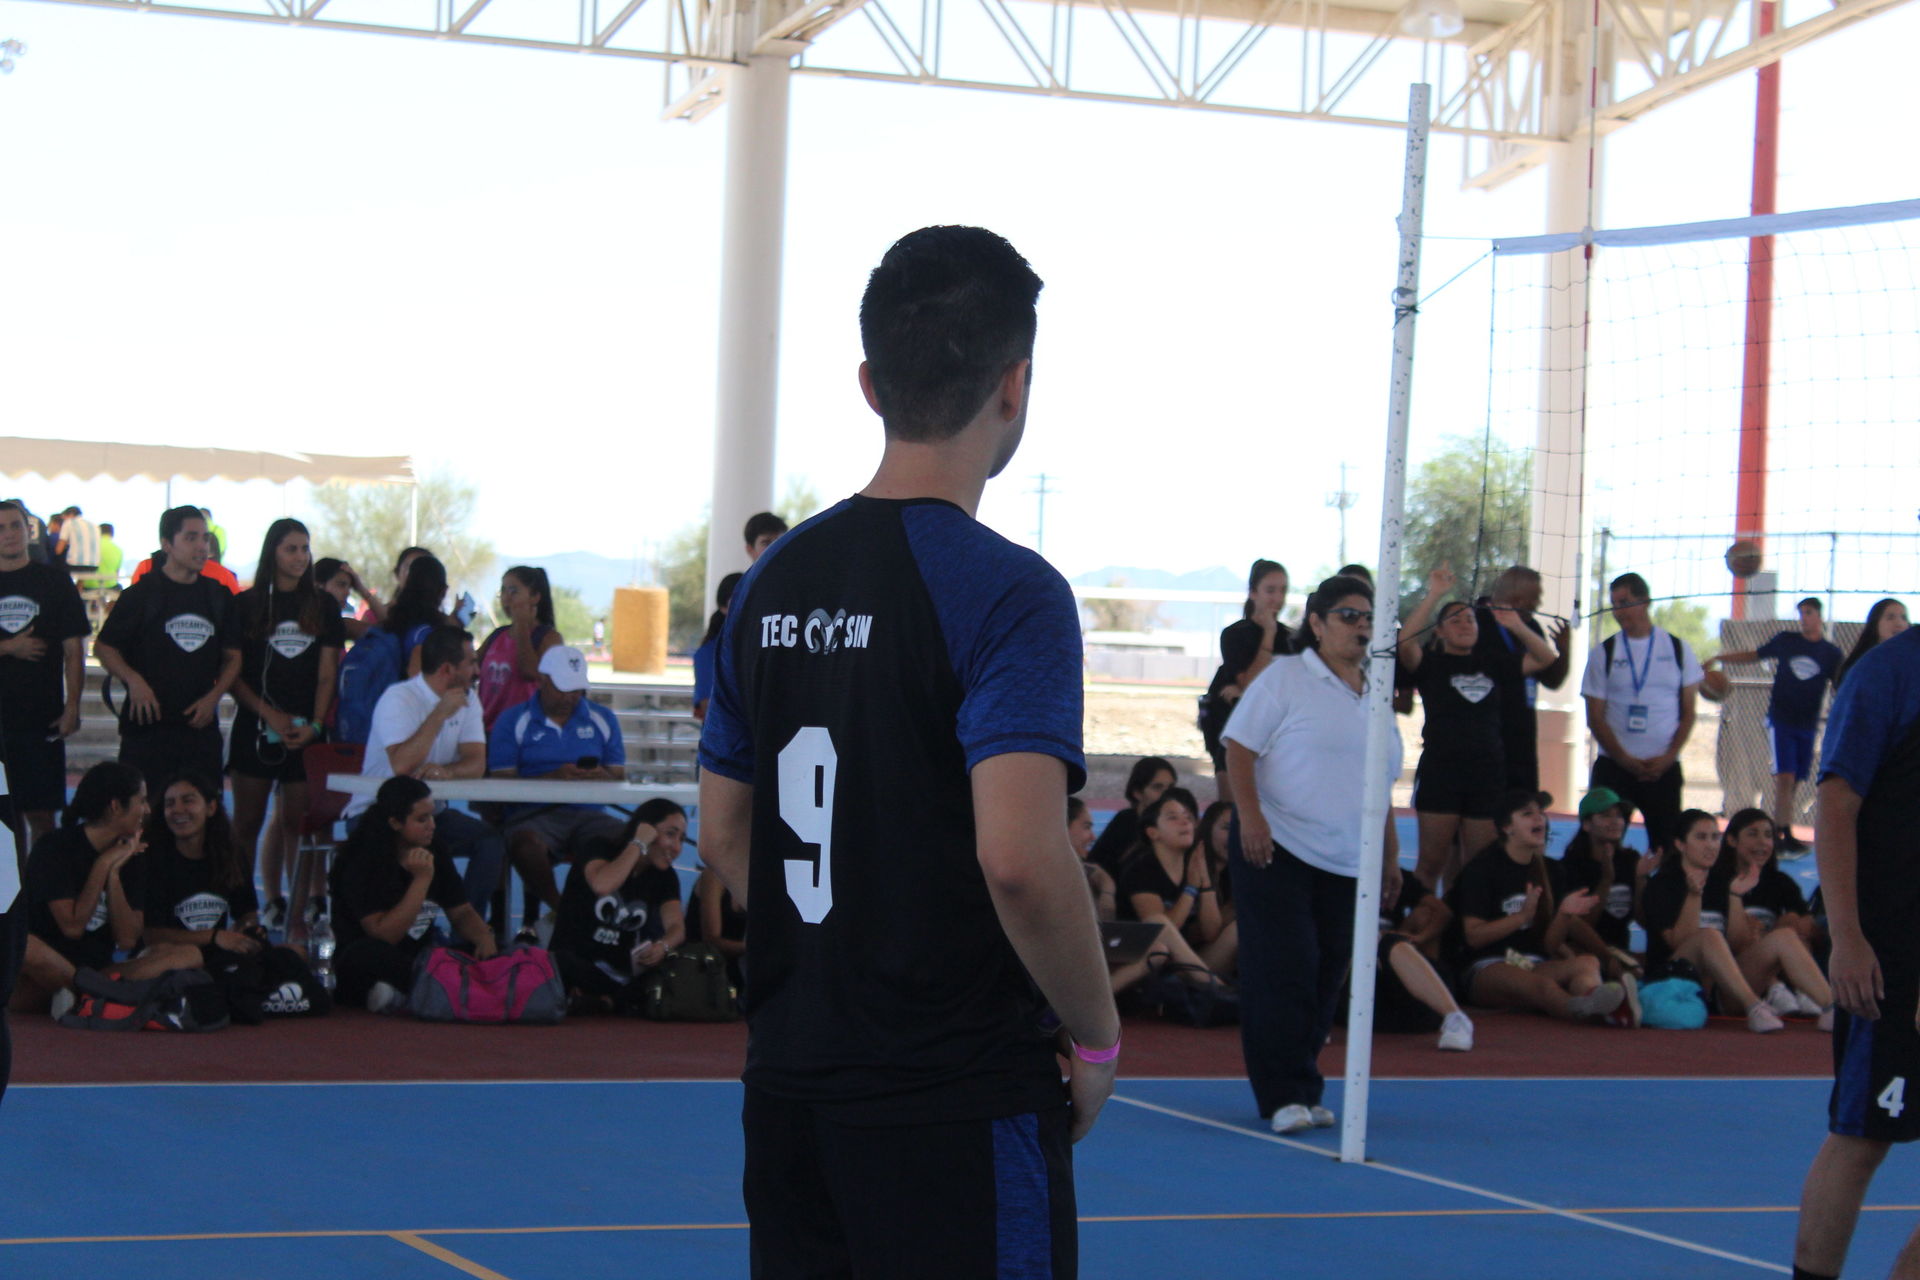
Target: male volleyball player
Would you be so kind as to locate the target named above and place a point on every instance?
(894, 726)
(1867, 838)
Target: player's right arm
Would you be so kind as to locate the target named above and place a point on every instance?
(1040, 895)
(726, 827)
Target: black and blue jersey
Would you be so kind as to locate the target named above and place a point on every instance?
(871, 659)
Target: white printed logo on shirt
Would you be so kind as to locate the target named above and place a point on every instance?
(1714, 920)
(17, 613)
(1513, 905)
(1620, 901)
(190, 631)
(615, 916)
(429, 910)
(1804, 668)
(1473, 688)
(289, 641)
(100, 912)
(201, 911)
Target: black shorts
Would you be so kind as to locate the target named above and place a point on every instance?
(1454, 782)
(36, 772)
(167, 752)
(251, 756)
(1876, 1069)
(966, 1198)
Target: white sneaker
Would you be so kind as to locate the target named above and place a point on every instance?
(1826, 1020)
(1597, 1003)
(63, 1001)
(1292, 1119)
(384, 997)
(1762, 1019)
(1456, 1033)
(1781, 1000)
(1322, 1118)
(1808, 1006)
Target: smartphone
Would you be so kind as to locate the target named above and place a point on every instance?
(587, 762)
(465, 609)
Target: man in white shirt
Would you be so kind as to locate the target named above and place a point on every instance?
(430, 727)
(1640, 687)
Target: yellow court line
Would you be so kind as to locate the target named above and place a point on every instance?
(420, 1233)
(447, 1256)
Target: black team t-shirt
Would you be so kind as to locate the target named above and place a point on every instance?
(1115, 841)
(57, 870)
(605, 928)
(282, 661)
(1492, 887)
(1144, 874)
(1666, 897)
(181, 893)
(1777, 894)
(1614, 920)
(368, 883)
(873, 658)
(1240, 646)
(175, 635)
(39, 600)
(1461, 694)
(1412, 894)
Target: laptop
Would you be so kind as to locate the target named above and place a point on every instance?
(1126, 940)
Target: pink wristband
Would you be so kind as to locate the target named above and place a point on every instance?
(1085, 1054)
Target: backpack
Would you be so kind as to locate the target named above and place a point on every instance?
(518, 985)
(274, 983)
(374, 665)
(1178, 1000)
(1676, 1004)
(690, 985)
(1679, 657)
(183, 1000)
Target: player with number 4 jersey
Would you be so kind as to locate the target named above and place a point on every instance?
(1868, 844)
(894, 725)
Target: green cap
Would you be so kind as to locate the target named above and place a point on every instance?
(1601, 799)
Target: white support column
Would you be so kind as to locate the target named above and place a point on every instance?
(752, 238)
(1560, 516)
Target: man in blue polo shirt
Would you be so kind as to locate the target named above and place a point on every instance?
(1804, 663)
(558, 733)
(1870, 875)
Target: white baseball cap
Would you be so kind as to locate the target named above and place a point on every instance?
(566, 666)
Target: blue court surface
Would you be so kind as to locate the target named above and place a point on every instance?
(1575, 1179)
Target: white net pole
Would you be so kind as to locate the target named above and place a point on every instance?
(1386, 613)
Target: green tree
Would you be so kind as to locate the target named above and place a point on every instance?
(1468, 507)
(682, 564)
(366, 525)
(1683, 618)
(571, 616)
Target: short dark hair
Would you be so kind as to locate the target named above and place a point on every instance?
(175, 519)
(71, 511)
(760, 525)
(106, 528)
(1329, 593)
(1359, 571)
(443, 647)
(946, 313)
(1631, 583)
(9, 504)
(1811, 602)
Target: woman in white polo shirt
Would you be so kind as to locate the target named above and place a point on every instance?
(1298, 742)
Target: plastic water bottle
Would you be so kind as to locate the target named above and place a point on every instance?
(320, 950)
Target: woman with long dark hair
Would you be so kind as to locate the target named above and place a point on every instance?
(1887, 619)
(1776, 958)
(390, 884)
(709, 647)
(418, 605)
(1516, 920)
(1168, 879)
(199, 886)
(343, 582)
(620, 912)
(291, 640)
(1246, 647)
(510, 656)
(1695, 908)
(1598, 860)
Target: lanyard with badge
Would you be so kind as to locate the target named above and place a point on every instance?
(1637, 711)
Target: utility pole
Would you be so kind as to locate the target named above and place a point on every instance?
(1342, 499)
(1040, 518)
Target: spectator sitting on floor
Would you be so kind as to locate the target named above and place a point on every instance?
(199, 888)
(561, 734)
(1887, 619)
(703, 655)
(389, 882)
(85, 890)
(1515, 916)
(1169, 946)
(416, 608)
(1150, 776)
(1167, 879)
(1598, 860)
(1410, 994)
(1462, 771)
(43, 633)
(510, 657)
(174, 641)
(1775, 901)
(762, 531)
(620, 913)
(1777, 958)
(1696, 911)
(1214, 826)
(341, 581)
(429, 727)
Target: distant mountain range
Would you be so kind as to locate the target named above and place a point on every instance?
(593, 575)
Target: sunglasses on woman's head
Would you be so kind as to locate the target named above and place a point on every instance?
(1352, 617)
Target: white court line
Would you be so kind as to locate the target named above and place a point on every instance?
(1498, 1196)
(305, 1084)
